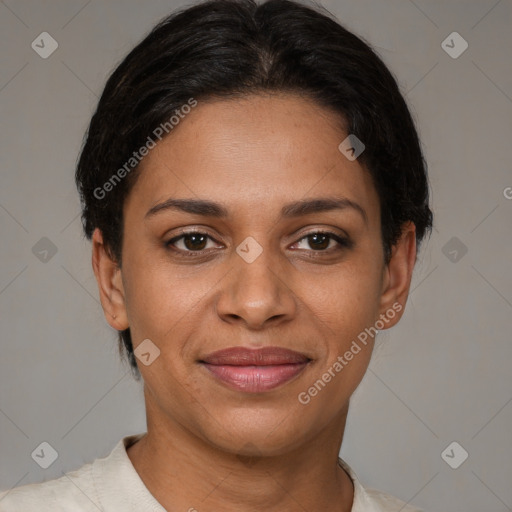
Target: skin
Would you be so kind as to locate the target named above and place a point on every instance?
(208, 446)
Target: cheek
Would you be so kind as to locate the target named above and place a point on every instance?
(348, 308)
(347, 300)
(152, 301)
(161, 299)
(348, 305)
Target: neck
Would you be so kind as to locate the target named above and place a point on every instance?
(184, 472)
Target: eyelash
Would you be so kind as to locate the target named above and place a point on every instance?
(344, 243)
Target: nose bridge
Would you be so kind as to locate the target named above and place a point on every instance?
(255, 290)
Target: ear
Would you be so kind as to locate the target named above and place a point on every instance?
(397, 275)
(110, 284)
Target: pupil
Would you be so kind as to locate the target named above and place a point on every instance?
(194, 238)
(325, 239)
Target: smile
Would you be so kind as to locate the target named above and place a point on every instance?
(255, 371)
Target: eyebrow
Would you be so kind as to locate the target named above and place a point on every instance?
(296, 209)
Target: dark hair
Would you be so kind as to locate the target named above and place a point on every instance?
(229, 48)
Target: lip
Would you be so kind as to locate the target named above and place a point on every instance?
(255, 370)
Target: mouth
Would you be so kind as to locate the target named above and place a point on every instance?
(255, 370)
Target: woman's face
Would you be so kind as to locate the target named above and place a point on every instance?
(256, 276)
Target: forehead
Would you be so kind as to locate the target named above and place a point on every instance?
(254, 151)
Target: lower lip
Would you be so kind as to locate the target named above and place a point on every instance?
(255, 379)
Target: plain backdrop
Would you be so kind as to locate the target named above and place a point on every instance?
(442, 375)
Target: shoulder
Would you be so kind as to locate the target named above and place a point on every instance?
(373, 500)
(73, 491)
(108, 483)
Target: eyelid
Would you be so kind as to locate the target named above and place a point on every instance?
(340, 233)
(343, 241)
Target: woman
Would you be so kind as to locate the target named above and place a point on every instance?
(255, 192)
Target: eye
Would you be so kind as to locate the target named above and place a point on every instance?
(324, 241)
(190, 241)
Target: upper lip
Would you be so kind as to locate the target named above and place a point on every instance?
(266, 356)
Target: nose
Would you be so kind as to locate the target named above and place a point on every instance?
(256, 294)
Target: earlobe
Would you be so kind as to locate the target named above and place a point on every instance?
(398, 274)
(110, 284)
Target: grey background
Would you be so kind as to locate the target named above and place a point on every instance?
(441, 375)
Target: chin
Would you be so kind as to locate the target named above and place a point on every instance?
(255, 432)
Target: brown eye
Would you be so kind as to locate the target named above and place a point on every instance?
(191, 242)
(195, 241)
(320, 241)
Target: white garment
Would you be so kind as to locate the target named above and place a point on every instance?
(111, 484)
